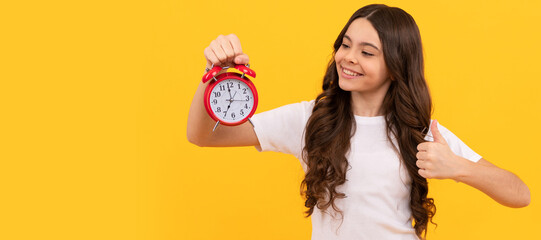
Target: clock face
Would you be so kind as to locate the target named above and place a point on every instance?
(231, 100)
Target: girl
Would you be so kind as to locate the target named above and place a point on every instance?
(366, 143)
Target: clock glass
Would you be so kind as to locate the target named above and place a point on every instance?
(231, 100)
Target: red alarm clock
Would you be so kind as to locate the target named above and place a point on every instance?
(230, 98)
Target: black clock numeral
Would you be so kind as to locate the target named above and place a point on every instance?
(218, 109)
(230, 84)
(239, 85)
(247, 97)
(222, 88)
(215, 101)
(233, 115)
(246, 105)
(242, 112)
(217, 94)
(244, 91)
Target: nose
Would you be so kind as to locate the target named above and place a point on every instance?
(351, 58)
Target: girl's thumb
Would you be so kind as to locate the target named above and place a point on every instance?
(241, 59)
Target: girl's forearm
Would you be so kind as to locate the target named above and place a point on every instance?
(501, 185)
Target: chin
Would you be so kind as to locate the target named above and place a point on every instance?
(345, 85)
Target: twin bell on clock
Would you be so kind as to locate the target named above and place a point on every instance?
(230, 98)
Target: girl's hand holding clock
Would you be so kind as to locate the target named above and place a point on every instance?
(225, 51)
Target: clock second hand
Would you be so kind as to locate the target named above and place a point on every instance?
(233, 98)
(239, 100)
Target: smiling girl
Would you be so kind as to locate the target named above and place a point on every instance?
(367, 143)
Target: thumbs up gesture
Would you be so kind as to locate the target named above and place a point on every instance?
(435, 159)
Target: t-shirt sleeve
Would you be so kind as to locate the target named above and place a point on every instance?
(282, 129)
(457, 146)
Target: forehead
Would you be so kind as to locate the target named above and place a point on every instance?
(361, 30)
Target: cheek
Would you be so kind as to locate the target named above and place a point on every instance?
(376, 69)
(383, 69)
(384, 74)
(338, 56)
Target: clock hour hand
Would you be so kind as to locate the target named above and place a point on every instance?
(228, 106)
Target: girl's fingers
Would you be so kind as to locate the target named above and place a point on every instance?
(227, 48)
(235, 44)
(211, 57)
(420, 164)
(240, 57)
(421, 155)
(218, 52)
(225, 51)
(423, 173)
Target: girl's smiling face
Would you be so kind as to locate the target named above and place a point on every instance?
(359, 60)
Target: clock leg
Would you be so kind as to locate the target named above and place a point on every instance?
(215, 126)
(250, 120)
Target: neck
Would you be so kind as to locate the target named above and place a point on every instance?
(367, 104)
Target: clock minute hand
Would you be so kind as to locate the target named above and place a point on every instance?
(229, 91)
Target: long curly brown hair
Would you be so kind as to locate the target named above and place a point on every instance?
(407, 107)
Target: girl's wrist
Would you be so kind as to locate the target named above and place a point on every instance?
(463, 170)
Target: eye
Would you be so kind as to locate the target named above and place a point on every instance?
(344, 45)
(367, 54)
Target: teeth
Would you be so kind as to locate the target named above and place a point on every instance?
(350, 72)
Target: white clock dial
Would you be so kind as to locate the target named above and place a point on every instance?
(231, 100)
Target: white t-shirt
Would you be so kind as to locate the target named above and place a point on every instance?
(378, 185)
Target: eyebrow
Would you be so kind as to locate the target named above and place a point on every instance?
(362, 43)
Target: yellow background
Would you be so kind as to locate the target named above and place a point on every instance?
(94, 97)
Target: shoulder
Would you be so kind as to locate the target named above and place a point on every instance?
(304, 106)
(455, 143)
(281, 129)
